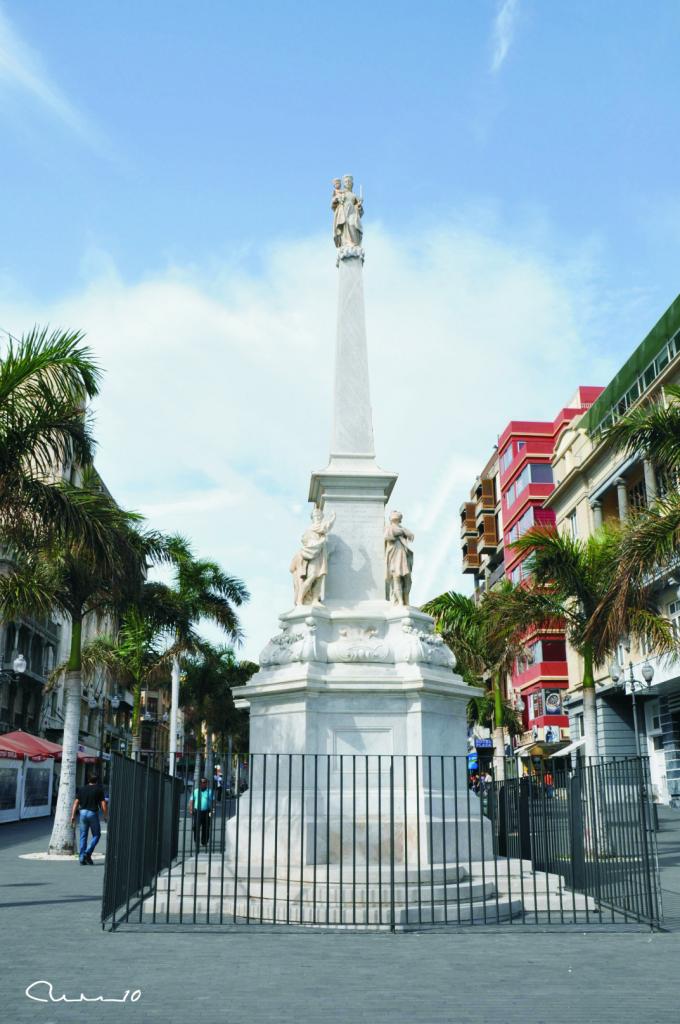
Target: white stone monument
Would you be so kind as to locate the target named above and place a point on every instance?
(356, 671)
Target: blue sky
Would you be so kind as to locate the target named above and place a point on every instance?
(164, 165)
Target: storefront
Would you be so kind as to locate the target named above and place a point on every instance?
(26, 782)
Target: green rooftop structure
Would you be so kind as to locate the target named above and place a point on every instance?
(638, 373)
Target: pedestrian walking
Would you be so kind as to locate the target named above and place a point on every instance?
(89, 799)
(200, 806)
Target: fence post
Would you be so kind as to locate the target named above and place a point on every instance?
(575, 810)
(392, 910)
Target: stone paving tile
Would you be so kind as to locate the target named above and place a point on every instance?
(50, 926)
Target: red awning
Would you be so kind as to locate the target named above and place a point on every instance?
(24, 744)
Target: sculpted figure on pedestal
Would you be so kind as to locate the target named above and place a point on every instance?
(310, 564)
(398, 559)
(347, 213)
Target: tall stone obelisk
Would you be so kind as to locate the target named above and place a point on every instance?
(351, 671)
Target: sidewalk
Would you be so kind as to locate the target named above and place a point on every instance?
(51, 929)
(668, 846)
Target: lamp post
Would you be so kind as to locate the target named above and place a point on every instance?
(632, 685)
(19, 666)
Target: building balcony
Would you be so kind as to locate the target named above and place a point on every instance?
(487, 537)
(534, 448)
(485, 494)
(554, 672)
(468, 522)
(532, 493)
(471, 557)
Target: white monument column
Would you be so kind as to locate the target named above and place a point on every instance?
(353, 487)
(352, 436)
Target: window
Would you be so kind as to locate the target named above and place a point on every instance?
(653, 716)
(519, 573)
(541, 473)
(524, 523)
(554, 650)
(572, 525)
(506, 458)
(648, 376)
(535, 705)
(637, 495)
(661, 360)
(674, 616)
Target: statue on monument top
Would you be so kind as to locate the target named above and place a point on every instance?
(347, 213)
(310, 564)
(398, 559)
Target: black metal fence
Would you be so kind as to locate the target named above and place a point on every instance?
(143, 833)
(378, 841)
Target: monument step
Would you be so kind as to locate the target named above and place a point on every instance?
(412, 894)
(435, 874)
(252, 910)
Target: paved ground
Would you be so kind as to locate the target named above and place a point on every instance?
(49, 916)
(668, 844)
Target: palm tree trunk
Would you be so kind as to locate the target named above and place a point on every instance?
(589, 711)
(62, 839)
(498, 731)
(174, 706)
(136, 721)
(209, 756)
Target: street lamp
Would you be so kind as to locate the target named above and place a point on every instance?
(115, 702)
(19, 666)
(632, 685)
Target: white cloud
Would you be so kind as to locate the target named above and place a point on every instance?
(22, 69)
(216, 401)
(503, 31)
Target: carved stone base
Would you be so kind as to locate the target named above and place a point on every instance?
(368, 679)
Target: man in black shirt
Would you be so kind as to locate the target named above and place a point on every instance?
(88, 800)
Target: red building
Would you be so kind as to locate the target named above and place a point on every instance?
(525, 451)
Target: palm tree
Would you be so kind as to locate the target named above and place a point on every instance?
(652, 539)
(78, 581)
(486, 648)
(201, 590)
(46, 380)
(571, 583)
(138, 657)
(208, 679)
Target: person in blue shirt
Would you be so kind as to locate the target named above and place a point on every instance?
(200, 806)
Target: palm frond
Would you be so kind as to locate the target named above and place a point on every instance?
(652, 429)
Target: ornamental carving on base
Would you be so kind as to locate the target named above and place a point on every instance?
(350, 252)
(359, 643)
(282, 649)
(294, 645)
(419, 645)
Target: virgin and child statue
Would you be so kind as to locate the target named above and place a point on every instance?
(347, 213)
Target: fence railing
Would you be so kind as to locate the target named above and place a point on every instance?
(142, 835)
(378, 841)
